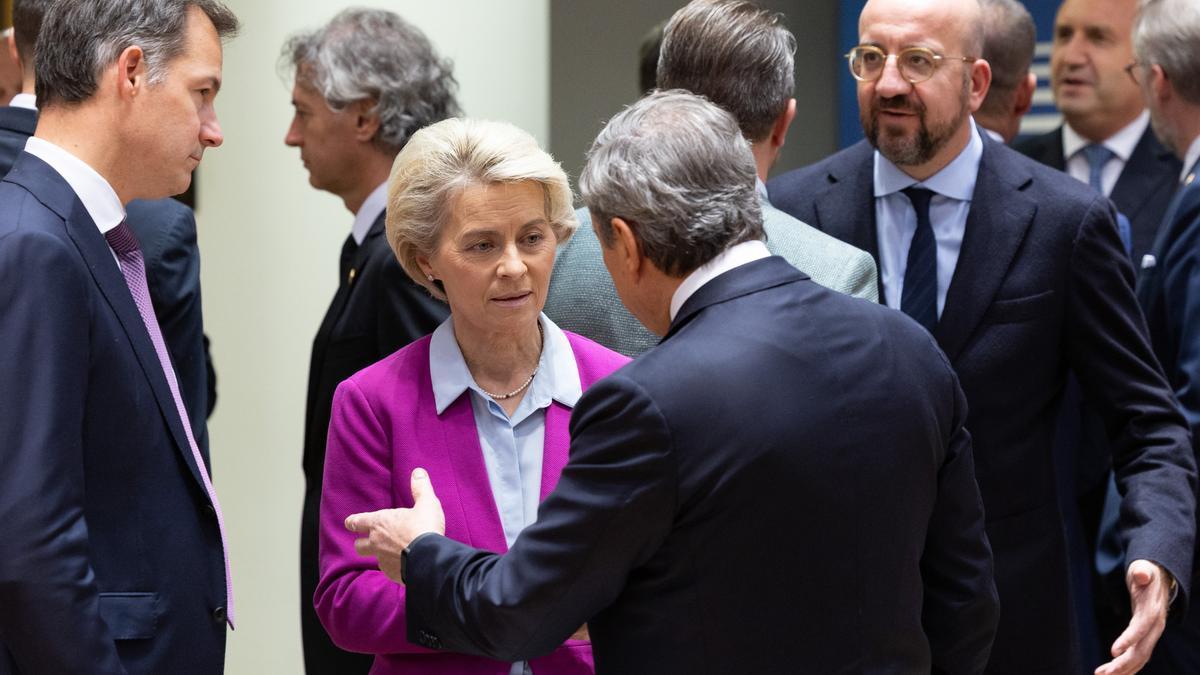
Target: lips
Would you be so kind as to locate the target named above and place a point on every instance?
(509, 299)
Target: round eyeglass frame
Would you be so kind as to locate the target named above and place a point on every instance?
(933, 56)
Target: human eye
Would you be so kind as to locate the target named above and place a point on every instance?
(918, 59)
(481, 246)
(869, 58)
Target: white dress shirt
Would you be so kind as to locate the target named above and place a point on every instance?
(371, 207)
(734, 256)
(27, 101)
(896, 220)
(1121, 143)
(98, 197)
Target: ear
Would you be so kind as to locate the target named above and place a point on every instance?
(1160, 85)
(10, 43)
(782, 123)
(132, 77)
(627, 248)
(981, 81)
(366, 120)
(1023, 100)
(426, 267)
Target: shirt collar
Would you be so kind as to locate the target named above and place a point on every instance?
(734, 256)
(994, 135)
(956, 180)
(557, 375)
(1190, 159)
(1121, 143)
(27, 101)
(369, 212)
(761, 188)
(97, 195)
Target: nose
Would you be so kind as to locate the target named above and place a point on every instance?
(210, 132)
(891, 82)
(512, 265)
(293, 138)
(1072, 51)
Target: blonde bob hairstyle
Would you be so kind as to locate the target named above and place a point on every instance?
(443, 159)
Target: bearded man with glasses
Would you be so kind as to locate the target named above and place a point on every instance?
(1019, 274)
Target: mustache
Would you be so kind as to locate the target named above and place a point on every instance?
(903, 104)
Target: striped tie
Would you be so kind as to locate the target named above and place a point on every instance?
(125, 245)
(919, 296)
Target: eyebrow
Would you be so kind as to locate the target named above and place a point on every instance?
(485, 230)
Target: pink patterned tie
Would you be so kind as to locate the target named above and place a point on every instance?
(125, 245)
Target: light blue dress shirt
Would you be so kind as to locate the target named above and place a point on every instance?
(896, 220)
(512, 446)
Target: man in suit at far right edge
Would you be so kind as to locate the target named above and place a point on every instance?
(1168, 72)
(1018, 272)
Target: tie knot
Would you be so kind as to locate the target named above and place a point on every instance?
(1097, 155)
(121, 239)
(919, 197)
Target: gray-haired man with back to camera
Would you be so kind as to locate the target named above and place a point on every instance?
(741, 57)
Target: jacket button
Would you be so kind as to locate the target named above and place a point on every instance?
(219, 615)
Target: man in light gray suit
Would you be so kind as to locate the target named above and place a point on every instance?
(740, 57)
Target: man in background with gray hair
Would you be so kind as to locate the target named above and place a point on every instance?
(1167, 68)
(364, 83)
(1009, 41)
(739, 56)
(721, 512)
(114, 542)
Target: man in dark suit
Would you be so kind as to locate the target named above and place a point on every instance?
(114, 558)
(350, 123)
(1102, 109)
(1018, 272)
(720, 511)
(1169, 285)
(165, 228)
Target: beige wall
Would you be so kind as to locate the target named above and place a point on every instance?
(270, 245)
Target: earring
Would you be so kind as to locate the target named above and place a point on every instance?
(429, 277)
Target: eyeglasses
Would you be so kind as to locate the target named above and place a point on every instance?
(1131, 71)
(916, 64)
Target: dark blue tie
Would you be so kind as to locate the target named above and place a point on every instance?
(919, 297)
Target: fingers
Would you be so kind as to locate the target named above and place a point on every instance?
(361, 522)
(422, 489)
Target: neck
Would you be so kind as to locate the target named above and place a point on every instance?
(27, 84)
(1187, 128)
(499, 360)
(374, 170)
(764, 158)
(1099, 129)
(76, 129)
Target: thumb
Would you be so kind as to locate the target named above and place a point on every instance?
(421, 487)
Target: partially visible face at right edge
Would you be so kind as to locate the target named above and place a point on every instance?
(912, 124)
(181, 119)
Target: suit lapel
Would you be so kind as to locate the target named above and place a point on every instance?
(1143, 176)
(846, 209)
(99, 259)
(996, 225)
(461, 442)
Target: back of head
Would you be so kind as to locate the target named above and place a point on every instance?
(678, 170)
(1167, 33)
(27, 22)
(373, 54)
(648, 53)
(736, 54)
(1010, 38)
(80, 38)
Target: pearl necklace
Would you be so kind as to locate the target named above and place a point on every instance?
(528, 381)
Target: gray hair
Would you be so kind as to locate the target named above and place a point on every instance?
(373, 54)
(442, 160)
(1167, 32)
(735, 53)
(678, 170)
(80, 38)
(1009, 42)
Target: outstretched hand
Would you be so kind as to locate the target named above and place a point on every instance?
(1150, 596)
(390, 531)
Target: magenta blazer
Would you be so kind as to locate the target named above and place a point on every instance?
(384, 425)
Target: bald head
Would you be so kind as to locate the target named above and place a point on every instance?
(958, 24)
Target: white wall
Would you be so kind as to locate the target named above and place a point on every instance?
(270, 245)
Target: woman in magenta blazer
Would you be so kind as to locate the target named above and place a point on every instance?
(475, 212)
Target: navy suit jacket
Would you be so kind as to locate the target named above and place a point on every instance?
(111, 549)
(376, 310)
(166, 232)
(1042, 285)
(1142, 191)
(784, 484)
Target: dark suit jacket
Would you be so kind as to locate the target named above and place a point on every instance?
(782, 485)
(1042, 285)
(1142, 191)
(166, 231)
(111, 549)
(374, 312)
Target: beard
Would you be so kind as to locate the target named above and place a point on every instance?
(902, 148)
